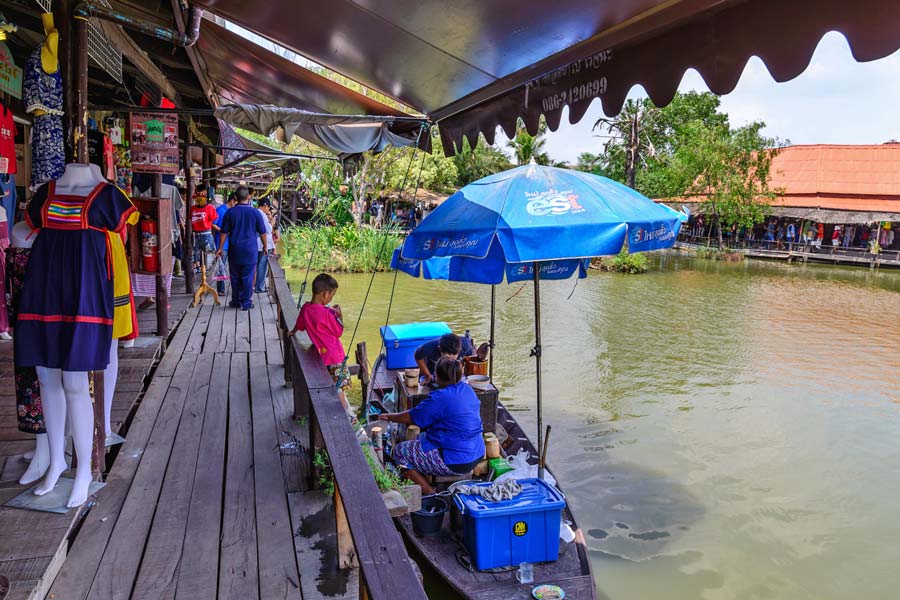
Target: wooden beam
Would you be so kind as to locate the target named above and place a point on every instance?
(196, 58)
(130, 50)
(346, 551)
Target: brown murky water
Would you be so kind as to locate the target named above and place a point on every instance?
(723, 431)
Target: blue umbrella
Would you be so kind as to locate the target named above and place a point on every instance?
(520, 221)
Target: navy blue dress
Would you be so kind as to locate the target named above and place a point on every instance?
(65, 313)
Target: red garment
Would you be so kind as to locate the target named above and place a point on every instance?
(203, 218)
(8, 142)
(324, 328)
(109, 159)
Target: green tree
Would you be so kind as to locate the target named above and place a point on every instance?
(474, 163)
(630, 136)
(689, 148)
(526, 147)
(727, 170)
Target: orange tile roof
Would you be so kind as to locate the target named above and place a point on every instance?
(837, 177)
(838, 170)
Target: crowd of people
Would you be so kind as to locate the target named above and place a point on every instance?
(233, 237)
(784, 233)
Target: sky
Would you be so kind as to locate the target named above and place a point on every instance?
(836, 100)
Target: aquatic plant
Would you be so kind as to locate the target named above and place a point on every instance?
(339, 248)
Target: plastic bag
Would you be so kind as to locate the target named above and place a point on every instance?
(214, 270)
(522, 469)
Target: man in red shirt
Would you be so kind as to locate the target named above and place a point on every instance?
(203, 218)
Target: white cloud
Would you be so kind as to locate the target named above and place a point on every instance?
(835, 100)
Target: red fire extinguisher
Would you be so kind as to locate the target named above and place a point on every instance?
(149, 245)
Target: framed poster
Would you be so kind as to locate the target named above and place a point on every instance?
(154, 143)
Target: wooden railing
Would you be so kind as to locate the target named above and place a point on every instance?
(366, 534)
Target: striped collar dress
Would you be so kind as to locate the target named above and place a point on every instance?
(65, 317)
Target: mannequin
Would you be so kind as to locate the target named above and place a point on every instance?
(21, 238)
(70, 254)
(67, 391)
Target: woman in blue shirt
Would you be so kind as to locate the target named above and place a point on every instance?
(451, 442)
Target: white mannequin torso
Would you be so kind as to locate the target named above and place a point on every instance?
(21, 235)
(79, 180)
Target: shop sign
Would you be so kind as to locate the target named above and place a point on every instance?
(10, 74)
(154, 143)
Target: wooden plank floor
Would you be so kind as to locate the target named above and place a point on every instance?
(34, 544)
(199, 504)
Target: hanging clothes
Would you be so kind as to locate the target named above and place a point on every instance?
(8, 193)
(29, 411)
(100, 152)
(124, 311)
(42, 94)
(7, 142)
(4, 245)
(123, 169)
(65, 317)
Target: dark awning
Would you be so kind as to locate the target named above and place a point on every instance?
(474, 65)
(245, 73)
(342, 134)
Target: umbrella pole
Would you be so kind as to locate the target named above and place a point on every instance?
(536, 353)
(491, 341)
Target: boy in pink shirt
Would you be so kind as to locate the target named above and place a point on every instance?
(324, 325)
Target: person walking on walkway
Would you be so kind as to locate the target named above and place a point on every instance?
(242, 226)
(222, 265)
(262, 267)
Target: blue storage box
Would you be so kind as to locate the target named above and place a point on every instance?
(504, 534)
(401, 341)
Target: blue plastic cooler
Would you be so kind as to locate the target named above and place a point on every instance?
(401, 341)
(504, 534)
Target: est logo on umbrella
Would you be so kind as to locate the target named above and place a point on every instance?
(555, 203)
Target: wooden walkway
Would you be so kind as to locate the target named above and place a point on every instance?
(34, 544)
(207, 497)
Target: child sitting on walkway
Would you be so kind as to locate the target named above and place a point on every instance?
(324, 325)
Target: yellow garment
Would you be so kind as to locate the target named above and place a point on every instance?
(122, 323)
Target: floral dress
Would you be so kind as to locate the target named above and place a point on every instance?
(42, 92)
(29, 411)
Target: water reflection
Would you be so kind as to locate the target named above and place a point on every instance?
(729, 429)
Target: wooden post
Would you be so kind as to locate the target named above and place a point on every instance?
(187, 255)
(62, 20)
(363, 590)
(346, 551)
(81, 84)
(79, 143)
(162, 299)
(294, 208)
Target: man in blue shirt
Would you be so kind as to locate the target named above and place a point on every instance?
(221, 209)
(428, 354)
(242, 226)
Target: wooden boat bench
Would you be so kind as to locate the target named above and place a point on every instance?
(442, 482)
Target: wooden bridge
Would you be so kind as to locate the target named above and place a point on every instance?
(211, 496)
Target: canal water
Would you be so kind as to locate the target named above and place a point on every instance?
(722, 430)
